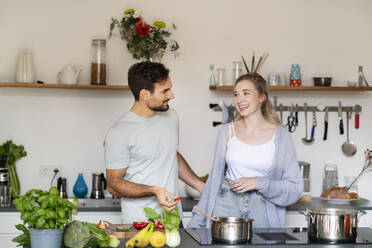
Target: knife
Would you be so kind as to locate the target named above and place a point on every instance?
(325, 124)
(111, 227)
(340, 118)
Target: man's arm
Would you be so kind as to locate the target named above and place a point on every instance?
(186, 174)
(123, 188)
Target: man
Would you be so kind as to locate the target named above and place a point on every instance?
(142, 161)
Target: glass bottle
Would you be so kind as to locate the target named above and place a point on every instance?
(98, 62)
(80, 188)
(237, 70)
(212, 80)
(360, 76)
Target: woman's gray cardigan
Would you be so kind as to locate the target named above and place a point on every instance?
(281, 188)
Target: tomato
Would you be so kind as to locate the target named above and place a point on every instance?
(139, 225)
(158, 225)
(178, 199)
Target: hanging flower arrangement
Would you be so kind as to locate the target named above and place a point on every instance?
(144, 41)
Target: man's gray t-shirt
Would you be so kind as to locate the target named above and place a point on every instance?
(147, 148)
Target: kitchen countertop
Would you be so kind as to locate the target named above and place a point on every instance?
(188, 203)
(188, 242)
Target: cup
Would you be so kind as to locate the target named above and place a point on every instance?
(274, 79)
(347, 181)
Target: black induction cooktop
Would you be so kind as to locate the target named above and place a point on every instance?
(280, 236)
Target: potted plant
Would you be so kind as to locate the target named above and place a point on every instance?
(44, 215)
(144, 41)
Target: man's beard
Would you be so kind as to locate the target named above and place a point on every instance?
(160, 108)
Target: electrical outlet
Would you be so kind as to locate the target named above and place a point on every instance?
(47, 171)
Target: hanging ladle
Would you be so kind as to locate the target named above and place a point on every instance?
(348, 148)
(204, 213)
(307, 140)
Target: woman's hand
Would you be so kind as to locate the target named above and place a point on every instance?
(243, 184)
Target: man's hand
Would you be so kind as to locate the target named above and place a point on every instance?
(243, 184)
(162, 196)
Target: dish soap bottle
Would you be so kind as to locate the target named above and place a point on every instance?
(80, 188)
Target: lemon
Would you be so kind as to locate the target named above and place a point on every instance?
(157, 239)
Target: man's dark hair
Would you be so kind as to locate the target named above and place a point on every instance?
(144, 75)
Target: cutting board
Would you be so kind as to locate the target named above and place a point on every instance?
(125, 234)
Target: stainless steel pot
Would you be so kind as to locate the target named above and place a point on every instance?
(333, 225)
(232, 230)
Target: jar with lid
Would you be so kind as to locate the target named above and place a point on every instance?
(237, 71)
(98, 62)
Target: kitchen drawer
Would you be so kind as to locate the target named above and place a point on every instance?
(6, 240)
(8, 220)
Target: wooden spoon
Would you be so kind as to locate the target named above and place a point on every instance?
(204, 213)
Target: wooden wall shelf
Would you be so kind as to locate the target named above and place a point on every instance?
(302, 88)
(65, 86)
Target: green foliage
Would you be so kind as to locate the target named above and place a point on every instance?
(204, 178)
(24, 238)
(150, 42)
(170, 219)
(76, 235)
(83, 234)
(43, 210)
(14, 153)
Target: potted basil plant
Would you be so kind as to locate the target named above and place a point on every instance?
(44, 215)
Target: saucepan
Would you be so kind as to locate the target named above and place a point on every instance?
(333, 225)
(230, 230)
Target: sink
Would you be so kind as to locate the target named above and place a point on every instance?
(98, 203)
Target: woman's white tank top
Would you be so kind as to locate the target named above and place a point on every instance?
(244, 160)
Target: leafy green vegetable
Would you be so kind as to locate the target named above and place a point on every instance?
(14, 153)
(171, 221)
(76, 235)
(151, 214)
(43, 210)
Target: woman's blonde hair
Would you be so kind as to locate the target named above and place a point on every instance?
(259, 82)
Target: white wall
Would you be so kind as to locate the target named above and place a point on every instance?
(67, 127)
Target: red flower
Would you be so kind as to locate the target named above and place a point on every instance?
(142, 29)
(138, 19)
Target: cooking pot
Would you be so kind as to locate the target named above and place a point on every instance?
(230, 230)
(333, 225)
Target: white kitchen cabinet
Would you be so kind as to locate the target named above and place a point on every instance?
(7, 230)
(8, 221)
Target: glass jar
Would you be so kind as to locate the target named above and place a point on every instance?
(237, 71)
(220, 77)
(98, 62)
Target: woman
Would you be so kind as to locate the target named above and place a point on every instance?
(262, 175)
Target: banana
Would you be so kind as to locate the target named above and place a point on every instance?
(138, 239)
(146, 239)
(130, 243)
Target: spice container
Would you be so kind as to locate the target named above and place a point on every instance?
(98, 62)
